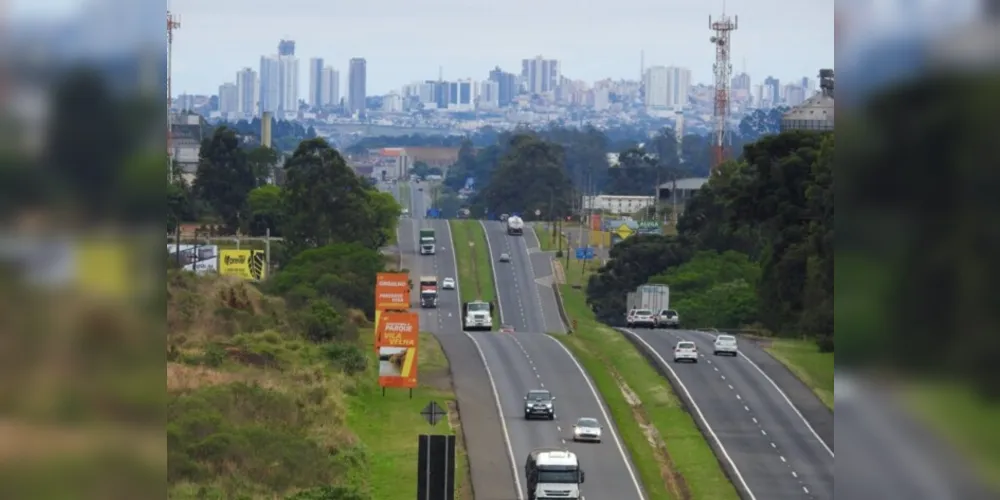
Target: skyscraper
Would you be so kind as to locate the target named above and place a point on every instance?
(228, 98)
(270, 94)
(315, 97)
(289, 84)
(357, 81)
(540, 75)
(246, 91)
(286, 48)
(772, 92)
(330, 87)
(506, 84)
(655, 87)
(678, 85)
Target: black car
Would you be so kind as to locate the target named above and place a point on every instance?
(539, 403)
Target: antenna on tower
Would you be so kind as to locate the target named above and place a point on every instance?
(440, 73)
(723, 69)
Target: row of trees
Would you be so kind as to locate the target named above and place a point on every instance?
(755, 245)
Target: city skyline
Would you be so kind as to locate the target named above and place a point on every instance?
(423, 42)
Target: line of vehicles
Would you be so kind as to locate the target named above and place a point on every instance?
(555, 472)
(649, 307)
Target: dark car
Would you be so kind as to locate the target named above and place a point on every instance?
(539, 403)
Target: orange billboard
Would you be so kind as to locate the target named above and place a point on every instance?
(398, 338)
(392, 292)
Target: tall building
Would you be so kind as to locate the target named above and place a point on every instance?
(228, 98)
(666, 87)
(270, 94)
(289, 84)
(357, 82)
(540, 75)
(460, 95)
(315, 97)
(489, 95)
(741, 82)
(793, 94)
(246, 92)
(286, 48)
(817, 112)
(772, 92)
(330, 87)
(507, 85)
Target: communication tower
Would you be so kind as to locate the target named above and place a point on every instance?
(172, 24)
(723, 28)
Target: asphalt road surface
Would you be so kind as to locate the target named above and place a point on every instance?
(887, 455)
(486, 446)
(770, 447)
(529, 359)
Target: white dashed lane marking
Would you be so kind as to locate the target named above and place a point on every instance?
(756, 422)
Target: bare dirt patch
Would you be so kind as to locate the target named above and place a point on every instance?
(668, 471)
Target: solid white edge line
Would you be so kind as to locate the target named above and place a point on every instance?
(496, 283)
(604, 413)
(552, 266)
(489, 375)
(701, 416)
(785, 397)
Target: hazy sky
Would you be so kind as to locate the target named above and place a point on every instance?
(406, 41)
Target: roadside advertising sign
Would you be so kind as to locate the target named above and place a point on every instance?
(399, 334)
(392, 293)
(247, 264)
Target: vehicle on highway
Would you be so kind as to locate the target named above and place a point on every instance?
(420, 189)
(477, 315)
(428, 292)
(587, 429)
(668, 318)
(553, 473)
(642, 318)
(725, 344)
(539, 403)
(515, 226)
(506, 329)
(505, 257)
(685, 351)
(428, 242)
(405, 213)
(448, 283)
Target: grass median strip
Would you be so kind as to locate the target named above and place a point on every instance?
(670, 452)
(813, 368)
(404, 194)
(472, 256)
(389, 425)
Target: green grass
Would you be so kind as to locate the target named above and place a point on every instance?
(389, 425)
(404, 194)
(604, 353)
(472, 256)
(965, 419)
(813, 368)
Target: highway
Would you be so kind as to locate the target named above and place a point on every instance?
(772, 448)
(490, 461)
(528, 359)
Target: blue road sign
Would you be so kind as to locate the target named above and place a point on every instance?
(433, 213)
(584, 253)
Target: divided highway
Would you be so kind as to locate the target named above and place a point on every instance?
(772, 448)
(529, 359)
(490, 464)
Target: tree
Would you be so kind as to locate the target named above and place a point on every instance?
(326, 202)
(530, 177)
(714, 289)
(342, 273)
(224, 177)
(267, 211)
(263, 161)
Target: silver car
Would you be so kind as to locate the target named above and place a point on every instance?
(685, 351)
(725, 344)
(505, 257)
(587, 429)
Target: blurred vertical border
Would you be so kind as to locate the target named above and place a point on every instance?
(917, 301)
(83, 166)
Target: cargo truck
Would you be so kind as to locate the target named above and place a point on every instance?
(428, 291)
(553, 473)
(477, 315)
(515, 225)
(427, 242)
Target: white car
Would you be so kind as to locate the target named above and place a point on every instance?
(505, 257)
(587, 429)
(642, 318)
(685, 351)
(668, 318)
(725, 344)
(448, 283)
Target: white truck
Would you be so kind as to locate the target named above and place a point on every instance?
(477, 315)
(553, 473)
(515, 225)
(427, 242)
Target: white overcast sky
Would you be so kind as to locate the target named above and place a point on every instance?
(406, 40)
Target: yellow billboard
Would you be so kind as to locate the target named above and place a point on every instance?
(247, 264)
